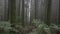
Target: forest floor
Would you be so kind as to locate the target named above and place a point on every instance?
(26, 29)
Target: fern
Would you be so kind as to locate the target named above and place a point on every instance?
(43, 28)
(5, 26)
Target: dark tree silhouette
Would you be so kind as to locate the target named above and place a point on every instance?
(22, 15)
(9, 9)
(48, 12)
(59, 14)
(12, 11)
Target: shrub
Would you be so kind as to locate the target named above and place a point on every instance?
(5, 27)
(43, 28)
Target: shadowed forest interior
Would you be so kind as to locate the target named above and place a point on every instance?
(29, 16)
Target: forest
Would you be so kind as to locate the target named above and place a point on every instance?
(29, 16)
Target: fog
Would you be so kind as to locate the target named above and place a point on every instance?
(40, 9)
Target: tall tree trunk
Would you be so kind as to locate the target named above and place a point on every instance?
(48, 10)
(35, 9)
(5, 11)
(22, 12)
(29, 12)
(59, 14)
(19, 8)
(12, 11)
(9, 9)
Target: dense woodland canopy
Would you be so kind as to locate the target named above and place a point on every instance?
(30, 17)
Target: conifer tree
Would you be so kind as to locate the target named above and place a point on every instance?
(48, 11)
(12, 11)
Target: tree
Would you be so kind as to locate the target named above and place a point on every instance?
(12, 11)
(48, 10)
(9, 9)
(35, 9)
(5, 11)
(59, 14)
(22, 15)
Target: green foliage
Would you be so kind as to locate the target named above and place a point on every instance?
(43, 28)
(5, 27)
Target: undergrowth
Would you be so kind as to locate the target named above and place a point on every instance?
(43, 28)
(38, 27)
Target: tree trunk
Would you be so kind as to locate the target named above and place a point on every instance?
(12, 11)
(59, 14)
(35, 9)
(9, 9)
(22, 12)
(48, 12)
